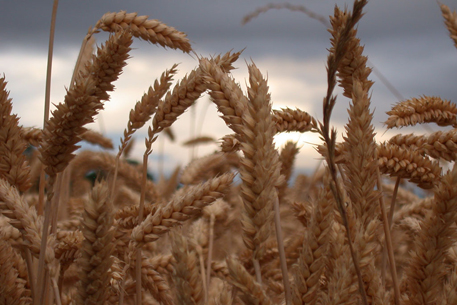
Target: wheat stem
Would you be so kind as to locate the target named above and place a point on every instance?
(55, 202)
(161, 150)
(29, 263)
(140, 219)
(193, 120)
(41, 190)
(78, 60)
(389, 246)
(42, 273)
(203, 273)
(391, 215)
(116, 170)
(392, 204)
(212, 220)
(282, 253)
(258, 274)
(122, 293)
(47, 98)
(56, 292)
(47, 101)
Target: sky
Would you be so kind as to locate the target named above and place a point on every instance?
(405, 40)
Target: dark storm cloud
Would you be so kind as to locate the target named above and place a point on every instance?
(211, 25)
(405, 40)
(215, 26)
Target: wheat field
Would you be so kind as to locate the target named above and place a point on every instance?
(232, 227)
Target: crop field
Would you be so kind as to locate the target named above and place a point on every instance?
(375, 223)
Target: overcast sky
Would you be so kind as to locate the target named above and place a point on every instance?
(405, 40)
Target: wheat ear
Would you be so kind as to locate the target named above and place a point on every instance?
(426, 109)
(97, 246)
(89, 160)
(287, 158)
(97, 138)
(409, 141)
(34, 136)
(291, 7)
(224, 92)
(230, 143)
(12, 286)
(186, 276)
(155, 283)
(177, 210)
(171, 184)
(341, 287)
(180, 209)
(82, 103)
(314, 253)
(199, 169)
(142, 112)
(398, 159)
(259, 179)
(407, 163)
(24, 218)
(13, 166)
(441, 145)
(31, 226)
(418, 209)
(164, 218)
(450, 295)
(424, 273)
(241, 279)
(145, 108)
(151, 30)
(287, 120)
(450, 20)
(362, 177)
(198, 141)
(67, 250)
(183, 96)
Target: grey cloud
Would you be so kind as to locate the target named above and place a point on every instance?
(406, 40)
